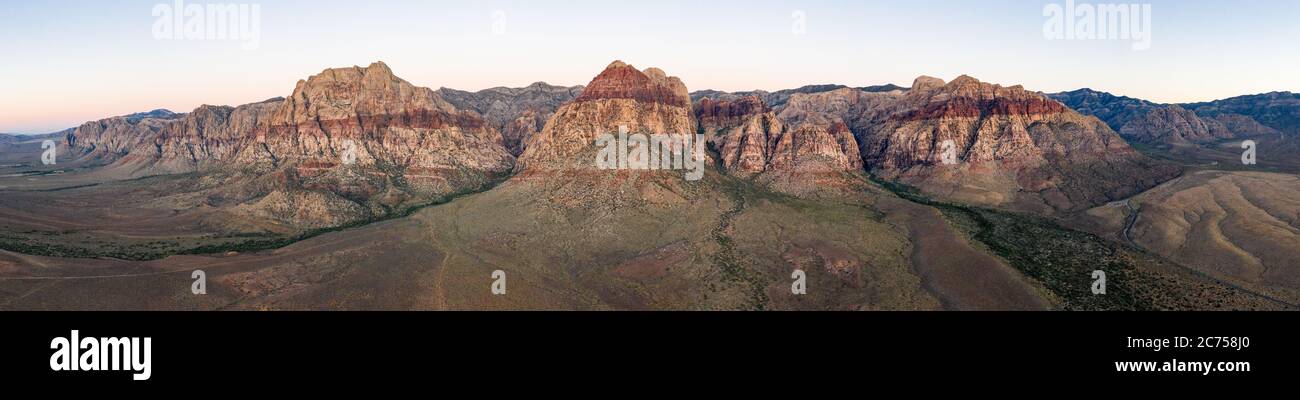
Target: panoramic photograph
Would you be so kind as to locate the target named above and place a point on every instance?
(682, 156)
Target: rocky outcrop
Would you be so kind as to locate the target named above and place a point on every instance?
(360, 134)
(813, 148)
(560, 164)
(391, 124)
(850, 107)
(923, 83)
(1244, 126)
(799, 158)
(642, 102)
(742, 131)
(1009, 147)
(410, 133)
(750, 138)
(715, 115)
(622, 81)
(986, 123)
(518, 113)
(1174, 124)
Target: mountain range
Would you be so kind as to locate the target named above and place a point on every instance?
(954, 194)
(1141, 120)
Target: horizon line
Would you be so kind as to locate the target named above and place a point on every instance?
(545, 82)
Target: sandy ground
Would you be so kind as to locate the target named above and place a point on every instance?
(1239, 227)
(962, 277)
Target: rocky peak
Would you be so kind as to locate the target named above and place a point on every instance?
(643, 102)
(968, 97)
(1008, 145)
(540, 85)
(926, 83)
(341, 93)
(623, 81)
(355, 138)
(1173, 124)
(1244, 126)
(655, 73)
(964, 81)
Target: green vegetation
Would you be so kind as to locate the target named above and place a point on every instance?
(1063, 260)
(726, 259)
(49, 243)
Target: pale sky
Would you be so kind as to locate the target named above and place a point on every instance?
(67, 62)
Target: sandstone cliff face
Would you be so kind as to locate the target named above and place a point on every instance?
(1011, 146)
(750, 138)
(391, 123)
(408, 133)
(518, 113)
(559, 163)
(714, 114)
(203, 138)
(645, 102)
(986, 123)
(409, 145)
(741, 131)
(850, 107)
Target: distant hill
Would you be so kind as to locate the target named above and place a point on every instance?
(882, 88)
(1164, 124)
(1277, 110)
(154, 114)
(775, 99)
